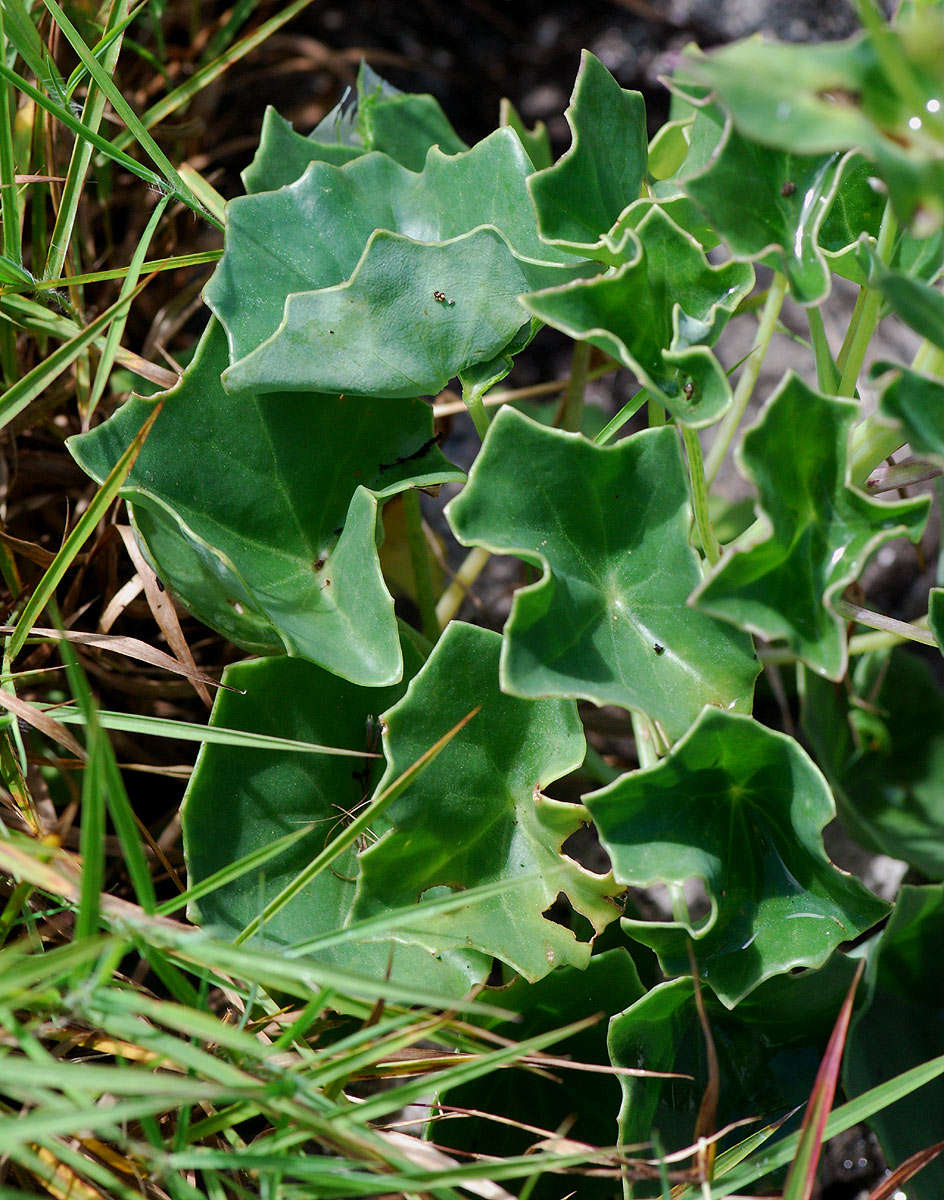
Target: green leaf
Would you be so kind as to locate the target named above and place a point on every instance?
(657, 314)
(768, 1051)
(283, 155)
(378, 118)
(742, 809)
(313, 234)
(484, 792)
(580, 197)
(608, 621)
(536, 141)
(902, 1027)
(817, 99)
(816, 532)
(412, 316)
(856, 210)
(240, 800)
(936, 614)
(587, 1102)
(768, 206)
(916, 302)
(916, 401)
(882, 747)
(261, 511)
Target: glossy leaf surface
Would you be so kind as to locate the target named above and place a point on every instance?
(883, 751)
(589, 1103)
(769, 205)
(816, 534)
(768, 1052)
(580, 197)
(742, 809)
(477, 813)
(379, 117)
(902, 1027)
(608, 621)
(657, 314)
(241, 800)
(261, 511)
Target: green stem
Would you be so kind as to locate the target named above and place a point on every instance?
(866, 316)
(696, 474)
(576, 386)
(420, 560)
(451, 600)
(477, 411)
(748, 378)
(656, 412)
(873, 620)
(647, 742)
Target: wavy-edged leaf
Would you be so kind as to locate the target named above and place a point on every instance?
(816, 531)
(412, 316)
(658, 314)
(478, 812)
(768, 205)
(916, 401)
(239, 800)
(835, 96)
(378, 117)
(579, 198)
(536, 141)
(856, 209)
(261, 511)
(902, 1027)
(916, 302)
(608, 621)
(313, 233)
(882, 747)
(768, 1051)
(742, 809)
(587, 1102)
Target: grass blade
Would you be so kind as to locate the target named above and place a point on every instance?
(92, 113)
(348, 836)
(83, 530)
(25, 390)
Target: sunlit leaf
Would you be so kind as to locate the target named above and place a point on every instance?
(658, 314)
(261, 511)
(240, 800)
(581, 196)
(609, 620)
(485, 791)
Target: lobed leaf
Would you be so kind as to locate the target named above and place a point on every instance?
(816, 532)
(608, 621)
(742, 809)
(478, 813)
(240, 800)
(378, 117)
(282, 246)
(657, 314)
(580, 197)
(261, 512)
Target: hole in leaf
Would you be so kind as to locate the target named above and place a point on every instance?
(562, 912)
